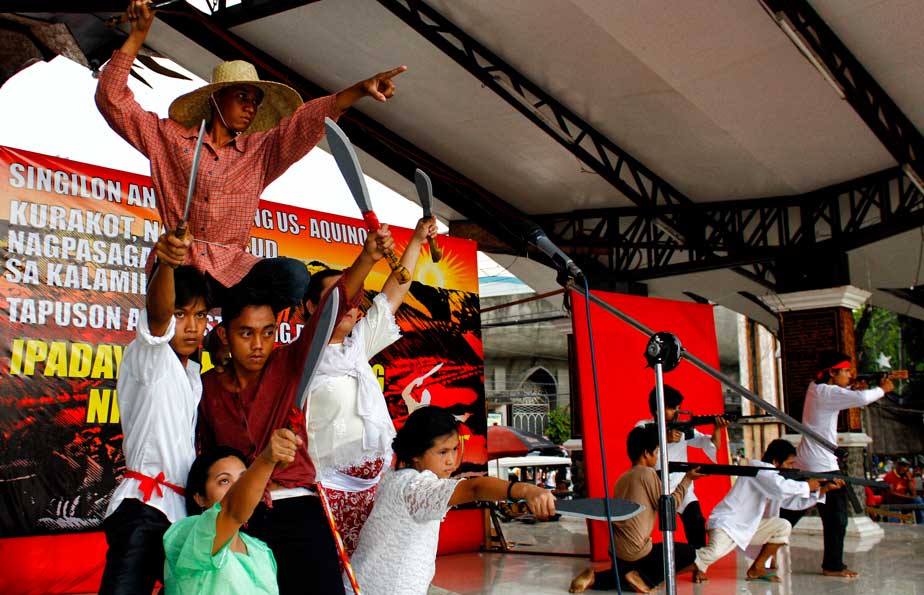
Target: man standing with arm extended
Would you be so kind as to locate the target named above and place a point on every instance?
(256, 131)
(826, 397)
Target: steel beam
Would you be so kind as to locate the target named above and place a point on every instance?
(631, 244)
(613, 163)
(252, 10)
(884, 118)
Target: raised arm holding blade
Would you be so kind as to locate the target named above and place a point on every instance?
(348, 162)
(425, 193)
(256, 130)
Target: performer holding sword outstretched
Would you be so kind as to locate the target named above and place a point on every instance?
(256, 130)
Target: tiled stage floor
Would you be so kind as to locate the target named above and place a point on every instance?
(894, 566)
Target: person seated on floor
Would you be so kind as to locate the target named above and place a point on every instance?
(641, 562)
(902, 489)
(749, 513)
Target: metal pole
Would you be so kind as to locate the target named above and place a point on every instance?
(600, 437)
(667, 512)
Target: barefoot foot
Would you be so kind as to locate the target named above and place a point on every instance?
(582, 582)
(636, 582)
(845, 573)
(700, 577)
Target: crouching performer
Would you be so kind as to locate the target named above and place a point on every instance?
(749, 513)
(397, 545)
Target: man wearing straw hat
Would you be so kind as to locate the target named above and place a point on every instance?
(256, 131)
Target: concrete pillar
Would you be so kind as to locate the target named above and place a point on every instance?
(563, 383)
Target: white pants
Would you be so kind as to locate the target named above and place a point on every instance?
(774, 530)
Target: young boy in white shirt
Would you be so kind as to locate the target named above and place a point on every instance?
(694, 524)
(748, 515)
(158, 390)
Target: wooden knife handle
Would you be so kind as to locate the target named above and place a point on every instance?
(435, 252)
(372, 224)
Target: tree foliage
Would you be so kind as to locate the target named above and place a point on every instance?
(559, 428)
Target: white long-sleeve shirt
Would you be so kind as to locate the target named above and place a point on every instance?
(158, 401)
(753, 498)
(677, 452)
(822, 404)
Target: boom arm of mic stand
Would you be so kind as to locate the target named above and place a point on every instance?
(774, 411)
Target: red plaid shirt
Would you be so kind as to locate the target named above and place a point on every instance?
(245, 420)
(230, 178)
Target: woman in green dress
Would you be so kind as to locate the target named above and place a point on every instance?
(206, 552)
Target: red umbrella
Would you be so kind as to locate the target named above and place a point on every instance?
(504, 441)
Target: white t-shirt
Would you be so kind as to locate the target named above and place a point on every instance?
(753, 498)
(822, 404)
(397, 546)
(347, 417)
(677, 452)
(158, 401)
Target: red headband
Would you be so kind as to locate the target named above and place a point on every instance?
(844, 365)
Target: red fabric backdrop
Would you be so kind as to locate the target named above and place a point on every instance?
(624, 383)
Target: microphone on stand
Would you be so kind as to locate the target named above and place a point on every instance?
(537, 238)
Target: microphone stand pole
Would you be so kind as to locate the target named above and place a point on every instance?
(667, 511)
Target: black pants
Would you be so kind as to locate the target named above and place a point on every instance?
(135, 558)
(302, 543)
(694, 525)
(833, 515)
(650, 568)
(285, 279)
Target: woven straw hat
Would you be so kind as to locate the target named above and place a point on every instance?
(279, 101)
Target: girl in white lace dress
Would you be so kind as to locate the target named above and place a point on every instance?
(349, 428)
(397, 546)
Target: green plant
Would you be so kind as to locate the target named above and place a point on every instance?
(559, 428)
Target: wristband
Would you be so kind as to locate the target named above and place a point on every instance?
(510, 489)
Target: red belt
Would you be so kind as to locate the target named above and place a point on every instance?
(150, 484)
